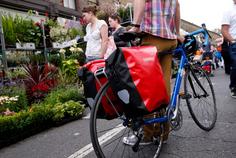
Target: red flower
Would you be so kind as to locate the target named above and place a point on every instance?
(37, 24)
(42, 86)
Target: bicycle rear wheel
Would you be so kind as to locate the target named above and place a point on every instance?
(200, 97)
(107, 135)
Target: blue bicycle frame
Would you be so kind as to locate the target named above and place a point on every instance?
(183, 62)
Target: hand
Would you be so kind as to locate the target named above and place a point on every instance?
(180, 38)
(134, 29)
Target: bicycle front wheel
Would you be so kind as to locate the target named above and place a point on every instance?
(107, 135)
(200, 97)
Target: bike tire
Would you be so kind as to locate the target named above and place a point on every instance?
(116, 131)
(202, 108)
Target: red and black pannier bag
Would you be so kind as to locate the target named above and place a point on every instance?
(93, 78)
(136, 76)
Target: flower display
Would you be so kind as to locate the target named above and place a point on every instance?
(7, 99)
(75, 49)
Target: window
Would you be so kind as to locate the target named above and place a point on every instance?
(69, 4)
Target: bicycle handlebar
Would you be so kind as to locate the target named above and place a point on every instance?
(204, 31)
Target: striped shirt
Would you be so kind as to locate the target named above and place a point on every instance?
(159, 18)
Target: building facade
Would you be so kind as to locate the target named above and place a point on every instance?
(53, 8)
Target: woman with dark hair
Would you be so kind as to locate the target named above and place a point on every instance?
(96, 34)
(114, 22)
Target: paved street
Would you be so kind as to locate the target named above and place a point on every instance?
(189, 142)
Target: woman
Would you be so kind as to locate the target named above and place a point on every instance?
(96, 34)
(114, 22)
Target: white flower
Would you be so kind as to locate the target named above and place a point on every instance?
(62, 51)
(72, 49)
(79, 49)
(7, 99)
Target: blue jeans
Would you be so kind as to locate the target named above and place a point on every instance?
(233, 66)
(91, 58)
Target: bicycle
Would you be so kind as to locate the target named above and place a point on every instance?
(106, 135)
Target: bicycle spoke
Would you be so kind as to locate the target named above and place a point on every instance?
(201, 105)
(118, 142)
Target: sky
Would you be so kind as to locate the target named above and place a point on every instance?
(209, 12)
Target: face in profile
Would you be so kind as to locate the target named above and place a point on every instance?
(112, 22)
(87, 16)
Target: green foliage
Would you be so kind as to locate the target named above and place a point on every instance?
(15, 59)
(61, 34)
(27, 31)
(37, 59)
(55, 59)
(68, 109)
(38, 117)
(80, 57)
(17, 73)
(58, 111)
(25, 121)
(73, 108)
(73, 32)
(19, 29)
(63, 94)
(11, 62)
(76, 53)
(124, 13)
(68, 71)
(61, 104)
(51, 23)
(102, 15)
(16, 106)
(9, 29)
(74, 56)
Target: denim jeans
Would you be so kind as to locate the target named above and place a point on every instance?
(233, 66)
(91, 58)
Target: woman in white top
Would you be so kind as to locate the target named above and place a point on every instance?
(96, 34)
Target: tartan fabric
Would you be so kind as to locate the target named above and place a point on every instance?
(159, 18)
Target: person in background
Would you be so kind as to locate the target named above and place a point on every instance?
(161, 23)
(114, 22)
(228, 29)
(226, 56)
(96, 34)
(218, 57)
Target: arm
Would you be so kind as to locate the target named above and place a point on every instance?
(139, 7)
(104, 36)
(177, 22)
(225, 33)
(177, 18)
